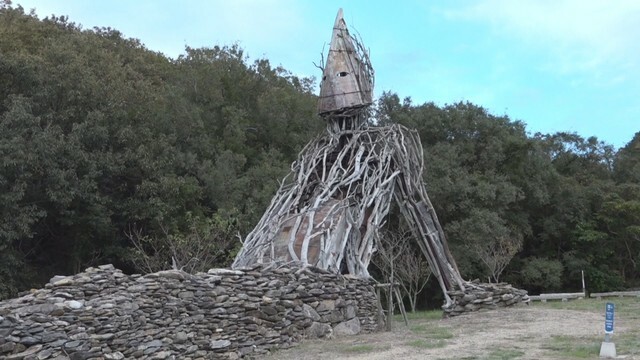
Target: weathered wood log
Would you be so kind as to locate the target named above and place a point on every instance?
(615, 293)
(557, 296)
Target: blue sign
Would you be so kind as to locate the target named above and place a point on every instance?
(608, 319)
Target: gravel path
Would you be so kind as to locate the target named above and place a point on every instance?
(513, 333)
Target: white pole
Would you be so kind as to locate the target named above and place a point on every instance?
(583, 288)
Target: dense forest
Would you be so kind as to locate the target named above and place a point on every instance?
(112, 153)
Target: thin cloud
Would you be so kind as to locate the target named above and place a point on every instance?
(272, 21)
(597, 37)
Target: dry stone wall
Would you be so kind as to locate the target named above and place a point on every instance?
(484, 296)
(105, 314)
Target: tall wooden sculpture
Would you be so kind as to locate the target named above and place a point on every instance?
(329, 209)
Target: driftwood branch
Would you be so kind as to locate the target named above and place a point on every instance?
(329, 210)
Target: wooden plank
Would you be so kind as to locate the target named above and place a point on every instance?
(615, 293)
(558, 296)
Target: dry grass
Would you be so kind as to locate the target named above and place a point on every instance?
(552, 330)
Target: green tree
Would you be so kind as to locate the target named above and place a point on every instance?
(100, 136)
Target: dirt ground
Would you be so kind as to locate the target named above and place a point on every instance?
(524, 332)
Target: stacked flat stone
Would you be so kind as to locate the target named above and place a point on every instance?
(226, 314)
(484, 296)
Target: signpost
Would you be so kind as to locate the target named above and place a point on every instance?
(608, 319)
(608, 348)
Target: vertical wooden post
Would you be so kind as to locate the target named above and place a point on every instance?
(390, 300)
(380, 309)
(403, 311)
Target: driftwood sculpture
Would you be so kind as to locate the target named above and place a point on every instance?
(328, 211)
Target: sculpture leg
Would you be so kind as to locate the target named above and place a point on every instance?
(419, 213)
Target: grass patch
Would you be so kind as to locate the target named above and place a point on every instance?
(359, 348)
(628, 343)
(574, 347)
(575, 304)
(426, 343)
(431, 331)
(628, 307)
(421, 315)
(504, 354)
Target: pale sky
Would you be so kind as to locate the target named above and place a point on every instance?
(556, 65)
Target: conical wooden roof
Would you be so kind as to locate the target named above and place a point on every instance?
(346, 79)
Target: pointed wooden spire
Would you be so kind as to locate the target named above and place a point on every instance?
(346, 79)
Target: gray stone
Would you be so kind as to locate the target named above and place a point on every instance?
(64, 282)
(186, 295)
(244, 351)
(72, 344)
(180, 337)
(80, 355)
(57, 312)
(44, 354)
(73, 304)
(273, 294)
(471, 307)
(19, 348)
(153, 345)
(310, 313)
(150, 350)
(48, 337)
(269, 310)
(150, 344)
(507, 297)
(318, 330)
(349, 312)
(467, 298)
(136, 288)
(224, 272)
(172, 274)
(333, 317)
(316, 291)
(35, 329)
(57, 278)
(161, 355)
(29, 340)
(63, 294)
(7, 347)
(102, 337)
(219, 344)
(326, 305)
(350, 327)
(21, 355)
(45, 309)
(113, 356)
